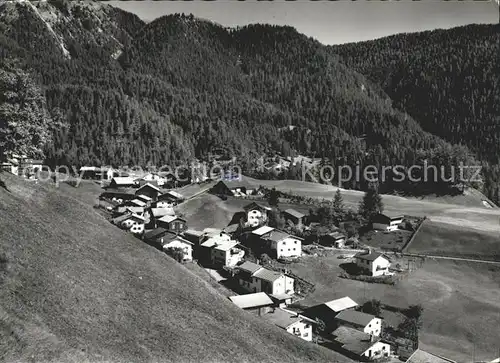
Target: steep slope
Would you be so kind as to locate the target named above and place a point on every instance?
(75, 288)
(448, 80)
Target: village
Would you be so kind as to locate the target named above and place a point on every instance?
(250, 257)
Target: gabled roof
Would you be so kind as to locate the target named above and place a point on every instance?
(337, 235)
(353, 340)
(251, 300)
(121, 218)
(135, 209)
(267, 275)
(177, 238)
(138, 202)
(355, 317)
(420, 356)
(148, 185)
(263, 230)
(161, 212)
(255, 205)
(193, 232)
(372, 256)
(225, 245)
(249, 267)
(123, 180)
(169, 219)
(341, 304)
(391, 216)
(144, 197)
(294, 213)
(172, 193)
(156, 233)
(278, 236)
(282, 318)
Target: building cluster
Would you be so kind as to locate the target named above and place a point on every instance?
(21, 165)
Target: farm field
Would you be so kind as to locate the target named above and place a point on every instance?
(386, 240)
(461, 301)
(439, 239)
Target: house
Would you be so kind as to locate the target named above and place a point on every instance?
(420, 356)
(153, 214)
(386, 222)
(118, 195)
(326, 312)
(292, 322)
(258, 303)
(237, 188)
(282, 300)
(216, 232)
(373, 263)
(132, 222)
(197, 237)
(358, 345)
(182, 244)
(158, 237)
(122, 182)
(364, 322)
(152, 178)
(255, 278)
(220, 252)
(169, 199)
(335, 239)
(145, 199)
(282, 244)
(297, 218)
(10, 166)
(256, 214)
(148, 190)
(94, 172)
(29, 165)
(172, 223)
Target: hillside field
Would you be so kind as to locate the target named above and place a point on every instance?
(75, 288)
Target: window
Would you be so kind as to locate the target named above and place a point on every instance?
(284, 243)
(294, 248)
(281, 250)
(295, 242)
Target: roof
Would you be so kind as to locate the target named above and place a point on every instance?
(135, 209)
(391, 216)
(371, 256)
(138, 202)
(193, 232)
(123, 180)
(155, 233)
(353, 340)
(251, 300)
(144, 197)
(149, 185)
(263, 230)
(250, 267)
(337, 235)
(294, 213)
(355, 317)
(174, 194)
(169, 219)
(278, 236)
(225, 245)
(282, 318)
(341, 304)
(234, 184)
(420, 356)
(177, 238)
(121, 218)
(267, 275)
(161, 212)
(255, 205)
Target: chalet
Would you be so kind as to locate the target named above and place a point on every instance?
(132, 222)
(255, 278)
(172, 223)
(145, 199)
(327, 312)
(216, 232)
(335, 239)
(358, 345)
(237, 188)
(366, 323)
(256, 214)
(148, 190)
(194, 236)
(169, 199)
(94, 172)
(296, 218)
(291, 322)
(158, 237)
(373, 263)
(258, 303)
(386, 222)
(122, 182)
(118, 195)
(10, 166)
(29, 165)
(153, 214)
(220, 252)
(282, 244)
(152, 178)
(182, 244)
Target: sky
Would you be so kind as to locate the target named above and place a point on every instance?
(330, 22)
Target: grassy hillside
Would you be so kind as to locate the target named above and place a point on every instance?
(74, 289)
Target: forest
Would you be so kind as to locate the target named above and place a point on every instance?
(127, 93)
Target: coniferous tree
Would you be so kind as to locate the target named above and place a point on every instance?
(371, 204)
(338, 202)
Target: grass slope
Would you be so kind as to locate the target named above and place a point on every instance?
(75, 289)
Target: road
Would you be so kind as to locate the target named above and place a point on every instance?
(452, 258)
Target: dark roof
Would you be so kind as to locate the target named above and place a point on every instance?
(155, 233)
(282, 318)
(277, 236)
(249, 267)
(353, 340)
(387, 216)
(267, 275)
(294, 213)
(255, 205)
(355, 317)
(372, 256)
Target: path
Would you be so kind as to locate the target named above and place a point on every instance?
(452, 258)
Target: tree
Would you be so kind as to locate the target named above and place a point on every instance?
(371, 204)
(24, 120)
(338, 202)
(176, 253)
(373, 307)
(276, 220)
(415, 312)
(273, 198)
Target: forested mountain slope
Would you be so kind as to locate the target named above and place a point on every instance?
(447, 80)
(179, 87)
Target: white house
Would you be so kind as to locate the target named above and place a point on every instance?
(258, 302)
(366, 323)
(358, 345)
(255, 278)
(373, 263)
(281, 243)
(386, 222)
(149, 190)
(184, 244)
(292, 322)
(133, 222)
(223, 252)
(257, 214)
